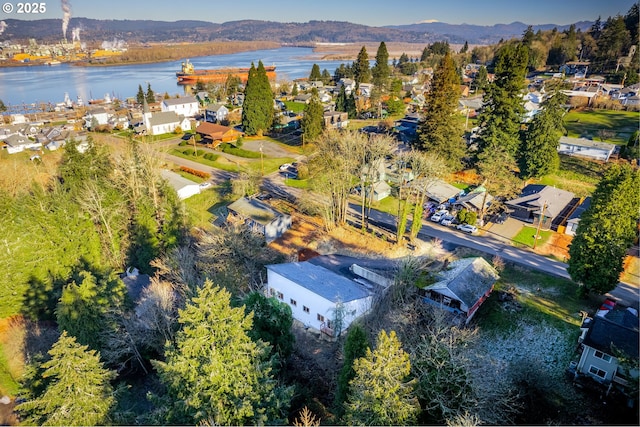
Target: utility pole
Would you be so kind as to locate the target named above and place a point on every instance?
(261, 159)
(535, 240)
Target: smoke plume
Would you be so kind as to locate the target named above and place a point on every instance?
(3, 26)
(66, 16)
(114, 45)
(75, 34)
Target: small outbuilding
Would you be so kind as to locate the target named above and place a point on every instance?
(259, 217)
(463, 287)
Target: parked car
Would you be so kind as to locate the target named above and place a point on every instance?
(285, 166)
(205, 185)
(447, 220)
(439, 215)
(467, 228)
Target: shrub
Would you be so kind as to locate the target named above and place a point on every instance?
(188, 152)
(183, 143)
(195, 172)
(212, 157)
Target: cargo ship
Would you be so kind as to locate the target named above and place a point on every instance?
(189, 75)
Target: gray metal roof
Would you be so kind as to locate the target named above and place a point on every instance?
(321, 281)
(164, 118)
(469, 279)
(255, 210)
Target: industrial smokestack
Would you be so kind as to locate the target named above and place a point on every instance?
(66, 16)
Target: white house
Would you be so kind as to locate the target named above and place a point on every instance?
(186, 106)
(584, 147)
(184, 187)
(319, 297)
(17, 143)
(165, 122)
(100, 115)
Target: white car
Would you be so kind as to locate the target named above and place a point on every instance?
(467, 228)
(205, 185)
(439, 215)
(447, 220)
(285, 166)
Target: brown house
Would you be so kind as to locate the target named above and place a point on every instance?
(215, 134)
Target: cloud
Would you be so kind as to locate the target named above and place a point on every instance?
(428, 21)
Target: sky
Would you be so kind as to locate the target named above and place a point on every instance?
(367, 12)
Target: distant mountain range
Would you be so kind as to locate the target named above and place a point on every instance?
(247, 30)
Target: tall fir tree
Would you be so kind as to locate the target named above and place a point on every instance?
(539, 154)
(606, 230)
(380, 70)
(78, 389)
(341, 100)
(315, 73)
(361, 68)
(381, 393)
(503, 106)
(257, 109)
(441, 130)
(214, 372)
(140, 98)
(355, 346)
(150, 96)
(313, 119)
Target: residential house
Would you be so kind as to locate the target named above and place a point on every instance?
(474, 200)
(203, 97)
(588, 148)
(187, 106)
(365, 89)
(381, 190)
(17, 143)
(442, 192)
(348, 84)
(215, 134)
(183, 186)
(216, 113)
(607, 339)
(463, 287)
(304, 98)
(165, 122)
(335, 119)
(327, 293)
(98, 116)
(574, 219)
(536, 200)
(259, 217)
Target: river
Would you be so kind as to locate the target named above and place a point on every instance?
(48, 84)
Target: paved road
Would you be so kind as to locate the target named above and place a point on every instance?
(451, 237)
(274, 183)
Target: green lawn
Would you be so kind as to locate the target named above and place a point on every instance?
(527, 234)
(203, 208)
(542, 297)
(297, 183)
(296, 107)
(618, 126)
(580, 176)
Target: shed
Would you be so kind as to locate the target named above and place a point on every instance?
(184, 187)
(463, 287)
(260, 218)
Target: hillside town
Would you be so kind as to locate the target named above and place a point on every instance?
(449, 238)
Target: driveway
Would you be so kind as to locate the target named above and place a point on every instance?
(506, 231)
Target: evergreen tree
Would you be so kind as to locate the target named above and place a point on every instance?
(84, 305)
(140, 95)
(150, 96)
(78, 390)
(313, 119)
(481, 79)
(257, 110)
(315, 73)
(605, 231)
(503, 107)
(381, 68)
(361, 70)
(465, 48)
(341, 100)
(272, 322)
(381, 393)
(441, 130)
(3, 107)
(326, 77)
(614, 42)
(424, 56)
(352, 110)
(214, 372)
(355, 347)
(539, 154)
